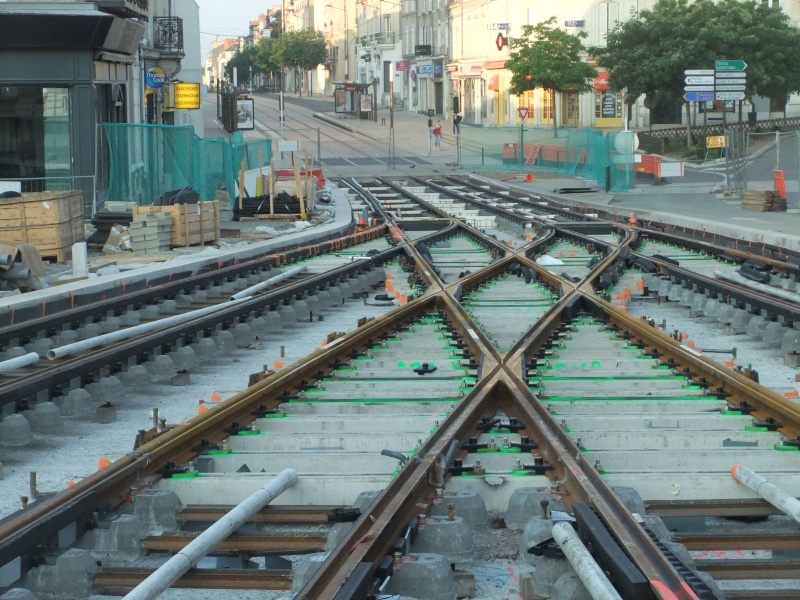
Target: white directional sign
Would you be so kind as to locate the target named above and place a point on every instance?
(704, 80)
(699, 88)
(698, 72)
(730, 88)
(730, 95)
(731, 75)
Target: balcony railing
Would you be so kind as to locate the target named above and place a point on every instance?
(383, 38)
(168, 34)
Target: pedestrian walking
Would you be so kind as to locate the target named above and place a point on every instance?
(437, 136)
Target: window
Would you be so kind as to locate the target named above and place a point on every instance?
(34, 132)
(608, 105)
(547, 106)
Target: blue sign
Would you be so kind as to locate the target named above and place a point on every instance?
(575, 23)
(425, 69)
(155, 77)
(699, 96)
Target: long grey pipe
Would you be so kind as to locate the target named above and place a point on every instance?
(12, 364)
(124, 334)
(590, 573)
(175, 567)
(267, 283)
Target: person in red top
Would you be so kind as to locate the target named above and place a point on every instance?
(437, 136)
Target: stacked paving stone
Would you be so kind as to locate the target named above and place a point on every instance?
(151, 233)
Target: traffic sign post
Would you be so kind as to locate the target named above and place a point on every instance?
(730, 65)
(699, 96)
(523, 112)
(729, 96)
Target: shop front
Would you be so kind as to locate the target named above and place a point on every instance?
(62, 73)
(607, 103)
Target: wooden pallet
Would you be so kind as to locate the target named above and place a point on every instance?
(51, 221)
(763, 201)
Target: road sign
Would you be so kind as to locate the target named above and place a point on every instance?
(698, 72)
(523, 112)
(698, 88)
(730, 65)
(731, 82)
(698, 96)
(730, 88)
(730, 95)
(497, 26)
(730, 74)
(715, 141)
(500, 42)
(703, 80)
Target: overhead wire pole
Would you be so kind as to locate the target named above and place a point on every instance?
(280, 93)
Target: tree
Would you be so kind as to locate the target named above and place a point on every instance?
(245, 63)
(649, 55)
(548, 57)
(304, 49)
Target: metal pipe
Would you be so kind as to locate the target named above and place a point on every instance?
(175, 567)
(592, 576)
(124, 334)
(268, 283)
(767, 289)
(16, 272)
(12, 364)
(768, 491)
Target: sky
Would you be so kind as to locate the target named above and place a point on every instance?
(220, 19)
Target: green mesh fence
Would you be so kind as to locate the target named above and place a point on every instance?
(573, 152)
(148, 160)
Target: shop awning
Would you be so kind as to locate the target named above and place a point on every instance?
(494, 83)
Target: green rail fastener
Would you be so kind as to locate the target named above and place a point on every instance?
(221, 452)
(250, 433)
(785, 448)
(754, 429)
(274, 416)
(488, 450)
(731, 413)
(521, 473)
(188, 475)
(510, 450)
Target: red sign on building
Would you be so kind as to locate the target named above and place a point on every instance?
(501, 41)
(401, 65)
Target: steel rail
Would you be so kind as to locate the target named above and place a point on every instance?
(740, 388)
(724, 540)
(264, 543)
(272, 514)
(144, 292)
(755, 507)
(750, 568)
(118, 578)
(64, 371)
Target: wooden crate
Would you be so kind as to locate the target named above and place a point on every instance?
(192, 224)
(51, 221)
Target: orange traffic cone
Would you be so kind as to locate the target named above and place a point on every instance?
(103, 463)
(215, 397)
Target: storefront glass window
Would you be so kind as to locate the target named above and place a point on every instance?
(34, 132)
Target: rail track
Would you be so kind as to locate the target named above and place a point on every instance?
(437, 444)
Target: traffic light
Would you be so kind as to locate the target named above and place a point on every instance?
(456, 107)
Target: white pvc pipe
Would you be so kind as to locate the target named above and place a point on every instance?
(268, 283)
(768, 491)
(12, 364)
(767, 289)
(592, 576)
(124, 334)
(175, 567)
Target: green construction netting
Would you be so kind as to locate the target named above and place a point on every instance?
(148, 160)
(574, 152)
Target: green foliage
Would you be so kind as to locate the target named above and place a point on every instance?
(548, 57)
(648, 55)
(265, 56)
(303, 49)
(244, 61)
